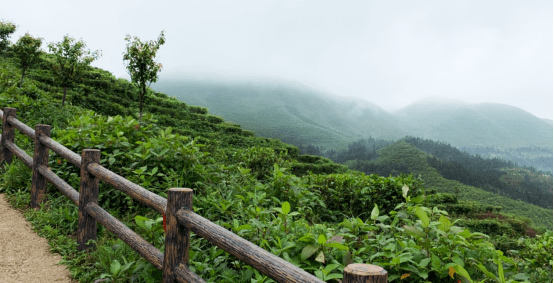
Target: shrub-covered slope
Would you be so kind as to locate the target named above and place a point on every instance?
(409, 159)
(307, 210)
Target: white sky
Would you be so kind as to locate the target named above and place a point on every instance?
(391, 53)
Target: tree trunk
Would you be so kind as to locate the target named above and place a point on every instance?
(22, 75)
(64, 94)
(140, 115)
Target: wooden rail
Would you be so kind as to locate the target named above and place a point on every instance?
(180, 218)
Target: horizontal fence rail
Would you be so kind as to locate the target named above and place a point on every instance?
(180, 218)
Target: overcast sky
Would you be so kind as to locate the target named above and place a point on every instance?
(391, 53)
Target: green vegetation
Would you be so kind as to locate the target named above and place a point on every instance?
(141, 65)
(292, 113)
(27, 50)
(530, 156)
(406, 158)
(306, 209)
(6, 30)
(70, 58)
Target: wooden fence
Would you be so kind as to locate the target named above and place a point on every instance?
(180, 219)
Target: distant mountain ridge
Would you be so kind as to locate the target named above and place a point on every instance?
(294, 114)
(474, 125)
(300, 115)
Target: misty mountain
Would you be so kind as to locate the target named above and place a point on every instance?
(549, 121)
(465, 124)
(291, 113)
(299, 115)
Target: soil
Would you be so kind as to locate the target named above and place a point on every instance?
(25, 256)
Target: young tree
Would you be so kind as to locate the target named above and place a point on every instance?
(70, 60)
(141, 66)
(27, 51)
(6, 30)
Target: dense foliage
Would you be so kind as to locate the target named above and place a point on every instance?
(141, 65)
(70, 59)
(27, 50)
(306, 209)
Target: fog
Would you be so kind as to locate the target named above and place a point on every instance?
(390, 53)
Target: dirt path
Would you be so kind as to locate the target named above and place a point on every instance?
(25, 256)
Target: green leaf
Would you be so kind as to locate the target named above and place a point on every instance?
(435, 263)
(126, 266)
(422, 216)
(115, 267)
(321, 239)
(329, 268)
(424, 262)
(307, 238)
(308, 251)
(445, 224)
(521, 276)
(285, 207)
(338, 246)
(484, 270)
(375, 212)
(333, 276)
(243, 227)
(140, 221)
(346, 223)
(466, 234)
(413, 231)
(461, 271)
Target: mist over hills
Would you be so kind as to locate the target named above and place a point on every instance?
(474, 125)
(292, 113)
(298, 114)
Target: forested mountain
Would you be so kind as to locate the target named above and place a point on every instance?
(292, 113)
(495, 175)
(404, 158)
(531, 156)
(305, 117)
(474, 125)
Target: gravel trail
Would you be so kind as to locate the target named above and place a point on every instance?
(25, 256)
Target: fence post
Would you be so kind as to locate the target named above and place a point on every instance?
(88, 192)
(177, 237)
(40, 157)
(367, 273)
(8, 134)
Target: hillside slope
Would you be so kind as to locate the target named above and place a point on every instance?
(413, 160)
(292, 113)
(474, 125)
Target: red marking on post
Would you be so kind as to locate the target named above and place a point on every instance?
(163, 214)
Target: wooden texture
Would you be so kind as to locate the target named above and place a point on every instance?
(177, 236)
(364, 273)
(8, 134)
(267, 263)
(88, 193)
(40, 158)
(14, 149)
(26, 130)
(131, 189)
(145, 249)
(62, 186)
(183, 274)
(63, 151)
